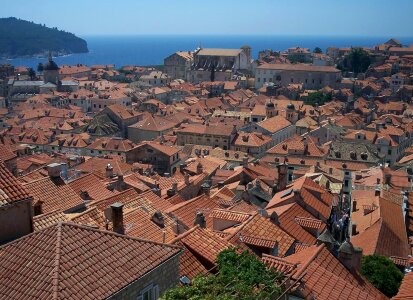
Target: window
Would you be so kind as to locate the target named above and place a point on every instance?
(389, 152)
(151, 292)
(292, 80)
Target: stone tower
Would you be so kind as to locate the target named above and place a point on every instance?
(51, 71)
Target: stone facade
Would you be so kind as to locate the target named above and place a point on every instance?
(16, 220)
(165, 276)
(177, 64)
(311, 77)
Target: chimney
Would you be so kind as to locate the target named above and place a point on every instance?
(140, 170)
(200, 220)
(120, 181)
(199, 168)
(54, 170)
(170, 192)
(350, 256)
(274, 218)
(175, 186)
(354, 205)
(158, 219)
(117, 217)
(353, 228)
(182, 167)
(109, 171)
(282, 176)
(377, 192)
(330, 171)
(245, 160)
(387, 178)
(186, 177)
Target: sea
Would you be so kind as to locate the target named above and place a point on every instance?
(149, 50)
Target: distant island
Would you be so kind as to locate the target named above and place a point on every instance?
(20, 38)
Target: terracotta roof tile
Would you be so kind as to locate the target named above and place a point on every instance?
(91, 184)
(11, 190)
(77, 262)
(52, 196)
(260, 231)
(406, 288)
(324, 277)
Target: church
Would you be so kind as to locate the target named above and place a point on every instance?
(20, 90)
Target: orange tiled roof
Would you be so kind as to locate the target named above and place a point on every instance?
(406, 288)
(52, 196)
(324, 277)
(76, 262)
(189, 265)
(260, 231)
(49, 219)
(203, 243)
(91, 184)
(287, 216)
(11, 190)
(138, 224)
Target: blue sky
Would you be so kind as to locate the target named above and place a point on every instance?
(268, 17)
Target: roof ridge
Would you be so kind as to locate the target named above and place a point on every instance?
(55, 273)
(186, 233)
(81, 226)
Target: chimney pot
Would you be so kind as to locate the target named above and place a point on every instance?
(117, 217)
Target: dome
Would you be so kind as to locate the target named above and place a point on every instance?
(50, 66)
(290, 106)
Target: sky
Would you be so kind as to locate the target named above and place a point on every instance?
(224, 17)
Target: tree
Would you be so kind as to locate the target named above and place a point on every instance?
(382, 273)
(32, 73)
(319, 98)
(358, 60)
(317, 50)
(241, 276)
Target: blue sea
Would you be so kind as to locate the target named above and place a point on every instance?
(151, 50)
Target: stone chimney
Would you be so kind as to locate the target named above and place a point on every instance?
(354, 205)
(120, 182)
(387, 178)
(117, 217)
(158, 219)
(186, 177)
(55, 169)
(274, 218)
(282, 176)
(175, 186)
(200, 220)
(327, 239)
(109, 171)
(206, 188)
(377, 191)
(350, 256)
(199, 168)
(245, 160)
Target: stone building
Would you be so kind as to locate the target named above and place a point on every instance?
(70, 261)
(312, 77)
(16, 212)
(206, 134)
(219, 64)
(178, 64)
